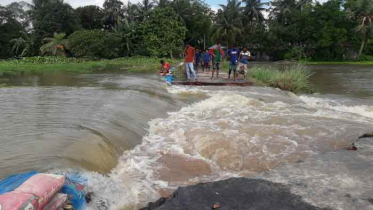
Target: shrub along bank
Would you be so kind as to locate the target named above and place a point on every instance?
(78, 65)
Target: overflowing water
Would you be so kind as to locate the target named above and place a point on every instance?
(136, 139)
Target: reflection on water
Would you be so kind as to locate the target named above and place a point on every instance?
(145, 139)
(351, 80)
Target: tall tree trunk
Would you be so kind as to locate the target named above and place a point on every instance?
(363, 44)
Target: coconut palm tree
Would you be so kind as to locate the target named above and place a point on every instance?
(363, 13)
(112, 12)
(228, 24)
(162, 3)
(144, 8)
(24, 43)
(254, 10)
(55, 45)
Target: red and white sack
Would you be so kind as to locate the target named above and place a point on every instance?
(44, 186)
(18, 201)
(57, 202)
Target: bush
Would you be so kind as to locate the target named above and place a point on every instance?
(365, 58)
(94, 44)
(47, 60)
(294, 79)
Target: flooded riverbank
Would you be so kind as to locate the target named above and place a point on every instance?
(145, 139)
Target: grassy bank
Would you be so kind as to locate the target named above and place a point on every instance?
(294, 79)
(53, 64)
(336, 62)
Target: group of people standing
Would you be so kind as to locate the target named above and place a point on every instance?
(194, 58)
(238, 61)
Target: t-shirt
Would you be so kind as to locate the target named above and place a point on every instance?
(233, 55)
(217, 55)
(245, 57)
(189, 54)
(166, 66)
(206, 57)
(198, 55)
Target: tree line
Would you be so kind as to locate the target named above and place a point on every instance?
(280, 29)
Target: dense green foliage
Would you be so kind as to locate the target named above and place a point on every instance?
(94, 44)
(336, 30)
(42, 64)
(162, 33)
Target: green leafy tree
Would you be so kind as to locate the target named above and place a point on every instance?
(55, 45)
(163, 33)
(94, 44)
(144, 7)
(126, 31)
(52, 16)
(228, 24)
(362, 11)
(162, 3)
(113, 12)
(91, 17)
(254, 10)
(22, 46)
(10, 29)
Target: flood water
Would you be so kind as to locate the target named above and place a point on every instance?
(136, 139)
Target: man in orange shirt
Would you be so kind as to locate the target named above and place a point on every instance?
(189, 61)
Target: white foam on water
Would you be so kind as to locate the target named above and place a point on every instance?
(319, 103)
(230, 134)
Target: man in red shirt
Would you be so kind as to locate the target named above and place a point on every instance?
(189, 61)
(165, 69)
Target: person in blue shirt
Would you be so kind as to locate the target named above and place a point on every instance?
(197, 59)
(206, 60)
(233, 55)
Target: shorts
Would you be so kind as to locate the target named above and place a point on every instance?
(206, 64)
(233, 66)
(216, 65)
(242, 68)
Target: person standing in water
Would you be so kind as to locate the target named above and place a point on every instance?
(245, 55)
(189, 61)
(233, 55)
(217, 54)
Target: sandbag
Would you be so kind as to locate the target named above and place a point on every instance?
(18, 201)
(11, 183)
(44, 186)
(57, 202)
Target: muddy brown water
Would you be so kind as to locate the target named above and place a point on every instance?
(135, 139)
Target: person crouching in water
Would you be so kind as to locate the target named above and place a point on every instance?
(244, 59)
(233, 55)
(206, 60)
(189, 61)
(216, 53)
(165, 68)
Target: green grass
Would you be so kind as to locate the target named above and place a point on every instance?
(294, 79)
(336, 62)
(55, 64)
